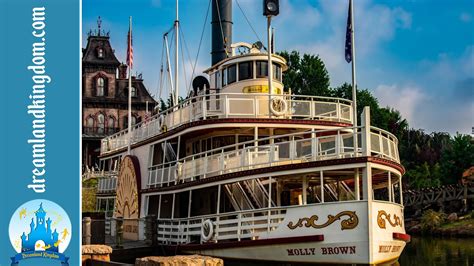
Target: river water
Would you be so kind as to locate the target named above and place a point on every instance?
(438, 251)
(424, 251)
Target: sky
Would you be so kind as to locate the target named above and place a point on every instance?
(416, 56)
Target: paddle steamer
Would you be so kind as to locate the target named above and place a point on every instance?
(238, 170)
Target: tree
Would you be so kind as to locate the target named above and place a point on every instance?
(306, 75)
(457, 158)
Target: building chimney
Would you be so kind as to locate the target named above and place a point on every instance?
(123, 71)
(221, 25)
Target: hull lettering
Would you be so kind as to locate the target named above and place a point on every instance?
(338, 250)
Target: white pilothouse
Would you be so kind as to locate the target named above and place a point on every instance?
(238, 170)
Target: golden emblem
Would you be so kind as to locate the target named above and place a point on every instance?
(349, 223)
(381, 219)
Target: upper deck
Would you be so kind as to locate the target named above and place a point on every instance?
(234, 105)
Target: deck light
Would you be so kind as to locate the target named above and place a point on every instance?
(271, 7)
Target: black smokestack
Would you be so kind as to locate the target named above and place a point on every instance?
(221, 25)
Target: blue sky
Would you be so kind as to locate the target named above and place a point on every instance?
(414, 55)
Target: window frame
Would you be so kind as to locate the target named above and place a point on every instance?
(249, 70)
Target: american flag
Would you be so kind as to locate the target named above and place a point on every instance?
(349, 35)
(130, 49)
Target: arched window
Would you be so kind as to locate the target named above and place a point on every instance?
(100, 53)
(125, 121)
(111, 124)
(90, 122)
(134, 92)
(100, 123)
(100, 86)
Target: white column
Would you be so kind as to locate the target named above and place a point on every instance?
(365, 122)
(356, 184)
(389, 187)
(321, 181)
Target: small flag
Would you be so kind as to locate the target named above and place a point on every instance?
(130, 49)
(349, 35)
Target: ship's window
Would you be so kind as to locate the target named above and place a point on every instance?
(231, 74)
(276, 72)
(166, 205)
(245, 70)
(134, 92)
(100, 85)
(224, 77)
(262, 69)
(153, 205)
(181, 205)
(204, 201)
(100, 123)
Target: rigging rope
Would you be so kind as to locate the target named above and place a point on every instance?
(220, 25)
(248, 21)
(199, 47)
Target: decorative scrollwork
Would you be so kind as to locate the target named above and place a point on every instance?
(381, 220)
(349, 223)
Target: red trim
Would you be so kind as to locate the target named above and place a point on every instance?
(250, 243)
(401, 236)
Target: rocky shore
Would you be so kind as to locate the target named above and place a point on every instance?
(452, 226)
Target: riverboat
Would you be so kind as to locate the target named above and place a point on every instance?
(245, 169)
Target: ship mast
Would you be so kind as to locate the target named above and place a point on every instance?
(176, 82)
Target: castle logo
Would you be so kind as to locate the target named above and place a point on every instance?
(40, 229)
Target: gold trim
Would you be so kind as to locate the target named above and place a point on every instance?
(381, 221)
(349, 223)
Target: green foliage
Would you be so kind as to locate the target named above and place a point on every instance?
(424, 175)
(429, 159)
(88, 199)
(169, 102)
(306, 75)
(457, 157)
(472, 215)
(431, 220)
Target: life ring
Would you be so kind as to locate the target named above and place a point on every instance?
(278, 106)
(164, 128)
(207, 231)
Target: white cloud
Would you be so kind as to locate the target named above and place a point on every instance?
(465, 17)
(407, 99)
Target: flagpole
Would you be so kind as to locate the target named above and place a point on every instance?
(354, 79)
(129, 87)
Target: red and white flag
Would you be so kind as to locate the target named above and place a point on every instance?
(130, 48)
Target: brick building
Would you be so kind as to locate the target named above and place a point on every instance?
(105, 95)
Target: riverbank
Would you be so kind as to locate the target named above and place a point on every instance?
(437, 224)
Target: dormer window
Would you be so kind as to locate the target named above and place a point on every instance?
(134, 92)
(100, 86)
(100, 53)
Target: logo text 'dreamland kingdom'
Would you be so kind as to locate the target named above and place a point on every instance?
(40, 229)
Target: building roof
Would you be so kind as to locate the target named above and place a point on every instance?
(90, 55)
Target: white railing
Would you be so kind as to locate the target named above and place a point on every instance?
(236, 226)
(232, 105)
(107, 184)
(384, 144)
(299, 148)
